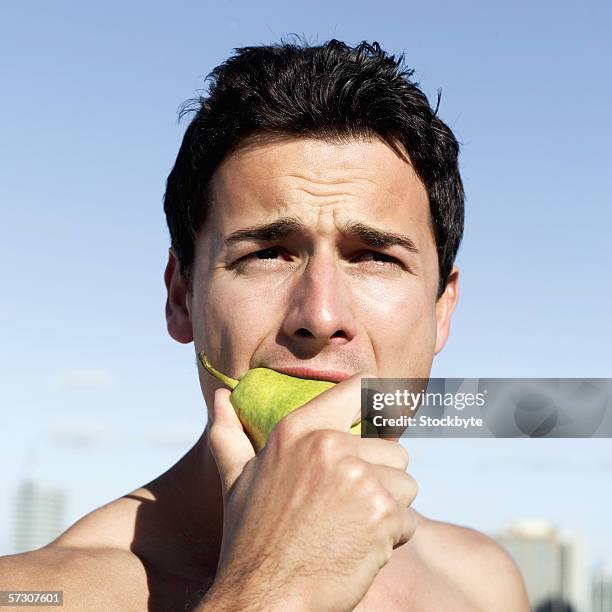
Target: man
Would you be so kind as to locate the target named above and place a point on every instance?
(315, 211)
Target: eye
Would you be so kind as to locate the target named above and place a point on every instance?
(269, 253)
(268, 257)
(276, 254)
(380, 259)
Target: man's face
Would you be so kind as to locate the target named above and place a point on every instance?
(337, 271)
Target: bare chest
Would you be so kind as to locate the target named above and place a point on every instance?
(165, 595)
(416, 590)
(164, 592)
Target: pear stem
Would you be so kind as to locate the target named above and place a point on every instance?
(226, 380)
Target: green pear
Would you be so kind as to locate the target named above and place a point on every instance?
(262, 397)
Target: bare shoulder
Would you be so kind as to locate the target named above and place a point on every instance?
(474, 562)
(91, 562)
(91, 578)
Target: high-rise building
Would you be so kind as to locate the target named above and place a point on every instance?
(553, 565)
(39, 515)
(602, 589)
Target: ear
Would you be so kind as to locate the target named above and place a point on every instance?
(178, 304)
(444, 309)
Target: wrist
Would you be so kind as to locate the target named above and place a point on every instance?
(263, 598)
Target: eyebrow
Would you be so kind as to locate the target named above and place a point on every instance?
(378, 238)
(285, 226)
(277, 230)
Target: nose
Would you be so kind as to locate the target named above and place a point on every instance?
(320, 309)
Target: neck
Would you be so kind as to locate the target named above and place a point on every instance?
(187, 523)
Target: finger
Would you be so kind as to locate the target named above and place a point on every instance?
(336, 408)
(406, 526)
(402, 486)
(229, 444)
(380, 452)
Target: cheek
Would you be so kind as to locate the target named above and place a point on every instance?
(402, 329)
(230, 321)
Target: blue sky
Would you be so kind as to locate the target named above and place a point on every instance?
(95, 392)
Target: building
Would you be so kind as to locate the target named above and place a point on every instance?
(602, 590)
(39, 515)
(554, 565)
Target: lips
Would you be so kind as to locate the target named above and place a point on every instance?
(312, 373)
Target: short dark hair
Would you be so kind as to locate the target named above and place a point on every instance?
(332, 92)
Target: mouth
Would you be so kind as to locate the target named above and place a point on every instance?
(312, 374)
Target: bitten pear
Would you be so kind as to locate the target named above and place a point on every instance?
(262, 397)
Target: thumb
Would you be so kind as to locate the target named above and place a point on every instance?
(229, 443)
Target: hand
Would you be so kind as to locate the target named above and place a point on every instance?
(311, 519)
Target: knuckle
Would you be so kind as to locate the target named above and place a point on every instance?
(218, 434)
(382, 512)
(408, 525)
(384, 504)
(215, 435)
(408, 491)
(413, 488)
(324, 444)
(286, 431)
(404, 457)
(354, 470)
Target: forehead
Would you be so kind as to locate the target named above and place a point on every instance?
(360, 178)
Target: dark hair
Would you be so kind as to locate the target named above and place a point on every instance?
(330, 91)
